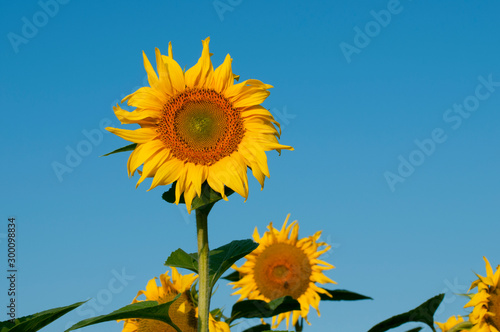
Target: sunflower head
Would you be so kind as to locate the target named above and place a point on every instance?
(183, 312)
(284, 265)
(199, 126)
(450, 323)
(486, 302)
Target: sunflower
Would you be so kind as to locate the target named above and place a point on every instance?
(450, 323)
(198, 126)
(182, 312)
(486, 302)
(284, 265)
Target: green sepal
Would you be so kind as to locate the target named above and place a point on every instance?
(467, 295)
(235, 276)
(37, 321)
(263, 309)
(143, 310)
(220, 259)
(169, 195)
(130, 147)
(342, 295)
(461, 327)
(217, 314)
(424, 313)
(208, 197)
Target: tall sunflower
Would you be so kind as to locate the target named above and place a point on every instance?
(182, 312)
(284, 265)
(486, 302)
(450, 323)
(198, 126)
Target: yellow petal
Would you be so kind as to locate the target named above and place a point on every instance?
(175, 74)
(189, 195)
(223, 76)
(141, 135)
(146, 98)
(152, 164)
(152, 78)
(489, 270)
(251, 99)
(141, 117)
(180, 186)
(164, 83)
(151, 290)
(168, 173)
(201, 74)
(142, 153)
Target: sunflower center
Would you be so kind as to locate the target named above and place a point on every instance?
(282, 269)
(494, 307)
(182, 313)
(200, 126)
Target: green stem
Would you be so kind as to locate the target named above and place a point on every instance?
(204, 286)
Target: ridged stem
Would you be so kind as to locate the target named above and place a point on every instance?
(204, 286)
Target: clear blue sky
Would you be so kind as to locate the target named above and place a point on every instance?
(393, 109)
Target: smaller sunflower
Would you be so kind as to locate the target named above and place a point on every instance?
(450, 323)
(183, 312)
(284, 265)
(486, 302)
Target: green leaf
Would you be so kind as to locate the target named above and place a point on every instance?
(258, 328)
(182, 259)
(416, 329)
(220, 259)
(208, 197)
(37, 321)
(235, 276)
(169, 195)
(424, 313)
(130, 147)
(263, 309)
(144, 310)
(342, 295)
(225, 256)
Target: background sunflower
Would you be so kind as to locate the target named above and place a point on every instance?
(486, 302)
(284, 265)
(183, 311)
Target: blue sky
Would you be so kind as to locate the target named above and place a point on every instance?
(392, 107)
